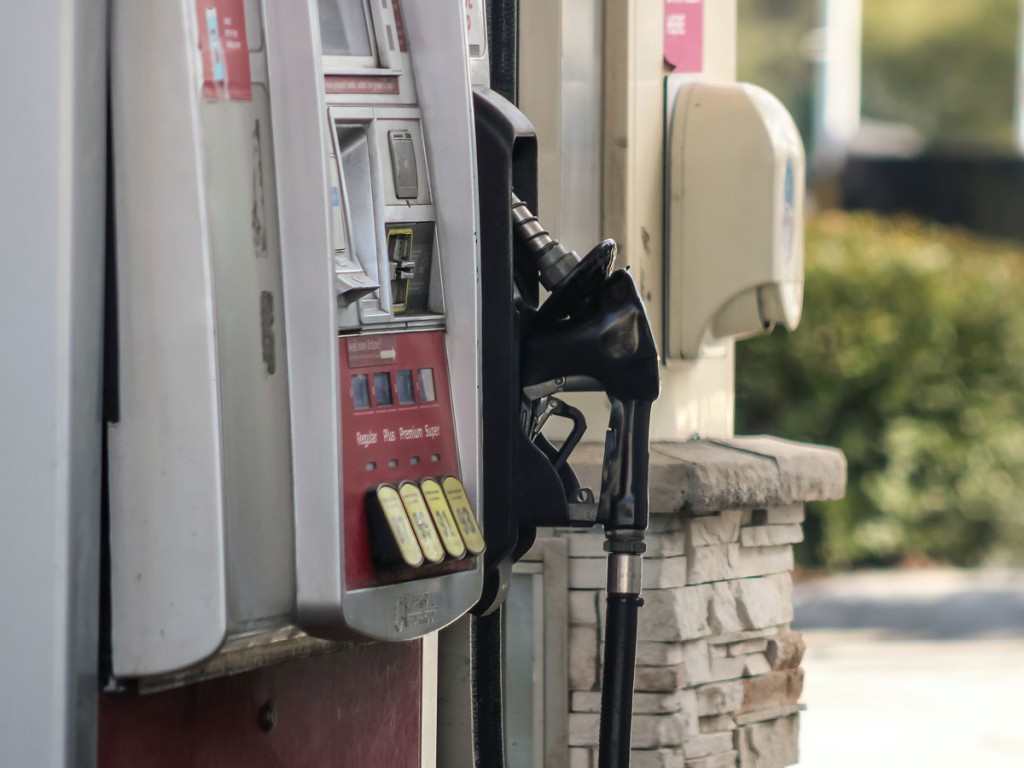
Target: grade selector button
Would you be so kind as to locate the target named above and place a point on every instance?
(394, 541)
(443, 518)
(455, 493)
(422, 525)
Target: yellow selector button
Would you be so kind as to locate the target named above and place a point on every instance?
(443, 518)
(395, 541)
(464, 517)
(422, 525)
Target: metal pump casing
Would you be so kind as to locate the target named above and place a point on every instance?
(228, 506)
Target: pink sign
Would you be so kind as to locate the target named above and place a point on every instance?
(225, 50)
(684, 35)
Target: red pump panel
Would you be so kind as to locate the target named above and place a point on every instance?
(359, 707)
(396, 424)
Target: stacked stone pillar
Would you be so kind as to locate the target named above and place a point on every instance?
(718, 678)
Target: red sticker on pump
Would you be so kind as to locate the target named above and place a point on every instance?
(224, 49)
(684, 35)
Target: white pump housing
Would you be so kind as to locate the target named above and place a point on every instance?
(735, 218)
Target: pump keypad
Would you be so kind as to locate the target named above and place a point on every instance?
(420, 524)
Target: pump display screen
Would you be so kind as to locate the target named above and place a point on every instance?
(345, 28)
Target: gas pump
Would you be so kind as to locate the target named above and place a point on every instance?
(403, 245)
(294, 463)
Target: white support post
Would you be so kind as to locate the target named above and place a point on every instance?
(837, 112)
(1018, 96)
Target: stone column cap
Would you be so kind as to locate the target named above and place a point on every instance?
(711, 474)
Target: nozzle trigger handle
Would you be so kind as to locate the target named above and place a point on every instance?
(624, 497)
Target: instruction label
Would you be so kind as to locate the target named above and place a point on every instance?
(224, 49)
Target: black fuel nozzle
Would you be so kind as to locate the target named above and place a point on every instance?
(593, 330)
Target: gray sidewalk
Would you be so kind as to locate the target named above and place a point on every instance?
(913, 668)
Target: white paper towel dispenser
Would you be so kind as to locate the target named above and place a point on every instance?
(735, 195)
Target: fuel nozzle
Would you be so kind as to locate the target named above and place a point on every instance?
(598, 332)
(570, 279)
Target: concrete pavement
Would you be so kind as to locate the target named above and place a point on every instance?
(913, 668)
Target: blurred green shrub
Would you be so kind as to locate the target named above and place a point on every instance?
(910, 357)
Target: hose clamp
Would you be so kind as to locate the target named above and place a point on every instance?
(625, 573)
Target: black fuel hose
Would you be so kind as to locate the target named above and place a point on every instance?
(503, 41)
(617, 683)
(488, 731)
